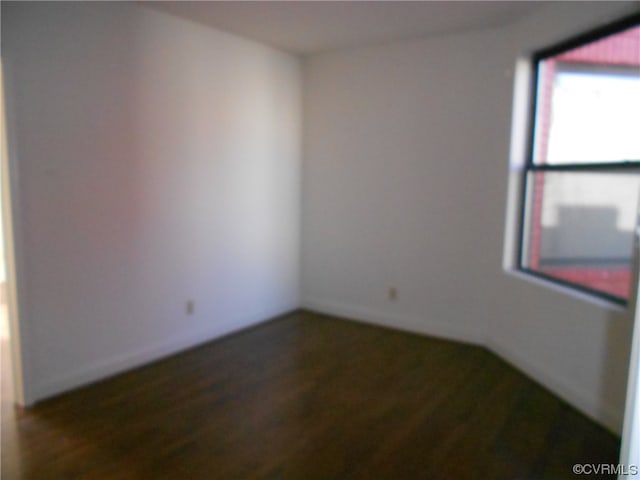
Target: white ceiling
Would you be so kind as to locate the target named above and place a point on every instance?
(306, 27)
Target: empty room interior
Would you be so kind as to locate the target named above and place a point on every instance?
(320, 240)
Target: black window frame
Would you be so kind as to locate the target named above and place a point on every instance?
(530, 165)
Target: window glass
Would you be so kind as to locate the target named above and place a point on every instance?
(582, 181)
(594, 116)
(580, 228)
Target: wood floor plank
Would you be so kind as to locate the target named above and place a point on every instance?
(309, 396)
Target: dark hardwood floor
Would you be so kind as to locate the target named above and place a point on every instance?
(309, 397)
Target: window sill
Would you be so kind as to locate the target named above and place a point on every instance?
(565, 290)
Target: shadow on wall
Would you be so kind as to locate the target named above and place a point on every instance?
(586, 234)
(615, 373)
(613, 378)
(588, 248)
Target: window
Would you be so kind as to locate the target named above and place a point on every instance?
(582, 178)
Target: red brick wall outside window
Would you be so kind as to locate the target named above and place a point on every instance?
(622, 49)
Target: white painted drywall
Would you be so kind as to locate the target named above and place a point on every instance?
(396, 181)
(157, 161)
(630, 444)
(406, 157)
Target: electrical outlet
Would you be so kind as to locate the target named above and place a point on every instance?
(190, 307)
(392, 294)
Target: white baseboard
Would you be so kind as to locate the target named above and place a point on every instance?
(606, 415)
(412, 324)
(122, 363)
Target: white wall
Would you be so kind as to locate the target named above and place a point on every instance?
(396, 181)
(404, 184)
(630, 445)
(155, 161)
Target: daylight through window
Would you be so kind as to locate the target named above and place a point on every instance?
(583, 175)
